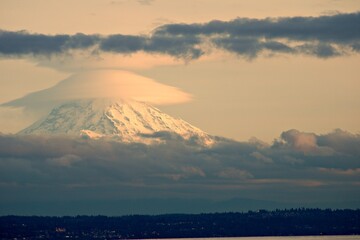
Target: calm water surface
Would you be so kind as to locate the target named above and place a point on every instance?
(357, 237)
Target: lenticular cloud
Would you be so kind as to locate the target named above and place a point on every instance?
(102, 84)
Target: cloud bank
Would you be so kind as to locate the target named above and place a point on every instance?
(323, 37)
(299, 168)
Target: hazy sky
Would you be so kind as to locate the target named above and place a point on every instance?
(234, 68)
(238, 94)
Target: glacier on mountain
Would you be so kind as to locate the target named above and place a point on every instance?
(122, 120)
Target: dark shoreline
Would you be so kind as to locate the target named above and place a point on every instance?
(290, 222)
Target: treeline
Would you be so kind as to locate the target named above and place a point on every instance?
(292, 222)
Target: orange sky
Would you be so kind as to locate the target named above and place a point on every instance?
(232, 96)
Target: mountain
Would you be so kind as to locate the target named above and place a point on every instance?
(124, 120)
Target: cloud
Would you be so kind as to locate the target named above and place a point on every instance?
(322, 36)
(338, 141)
(355, 171)
(85, 169)
(261, 157)
(235, 173)
(305, 142)
(142, 2)
(146, 2)
(82, 61)
(177, 46)
(335, 28)
(22, 42)
(341, 141)
(66, 160)
(111, 84)
(122, 43)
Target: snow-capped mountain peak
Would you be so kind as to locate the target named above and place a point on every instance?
(125, 120)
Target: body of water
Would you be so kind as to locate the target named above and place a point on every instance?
(353, 237)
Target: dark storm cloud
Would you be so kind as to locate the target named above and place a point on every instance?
(323, 36)
(298, 162)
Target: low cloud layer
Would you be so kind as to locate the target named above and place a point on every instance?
(299, 168)
(323, 37)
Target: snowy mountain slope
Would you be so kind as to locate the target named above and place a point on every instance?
(127, 121)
